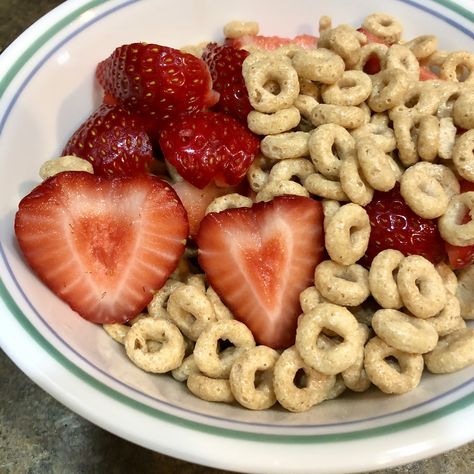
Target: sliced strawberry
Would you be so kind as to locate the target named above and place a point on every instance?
(259, 259)
(271, 42)
(209, 146)
(395, 226)
(225, 65)
(196, 200)
(156, 80)
(114, 141)
(427, 75)
(102, 244)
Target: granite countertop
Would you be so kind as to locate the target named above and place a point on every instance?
(39, 435)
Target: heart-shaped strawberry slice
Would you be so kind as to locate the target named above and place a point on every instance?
(259, 259)
(102, 244)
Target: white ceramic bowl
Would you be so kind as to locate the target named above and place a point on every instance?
(47, 89)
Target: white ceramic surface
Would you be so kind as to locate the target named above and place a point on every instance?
(46, 90)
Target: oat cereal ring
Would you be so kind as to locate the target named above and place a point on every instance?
(236, 29)
(420, 287)
(458, 67)
(386, 377)
(271, 68)
(299, 395)
(353, 182)
(170, 354)
(447, 138)
(345, 41)
(341, 284)
(403, 332)
(347, 234)
(280, 188)
(305, 104)
(463, 155)
(347, 116)
(448, 94)
(64, 163)
(210, 389)
(449, 319)
(285, 145)
(187, 367)
(198, 280)
(422, 46)
(370, 50)
(251, 378)
(355, 377)
(400, 57)
(310, 88)
(389, 88)
(325, 24)
(421, 98)
(383, 26)
(330, 207)
(321, 186)
(271, 124)
(450, 280)
(338, 357)
(380, 133)
(157, 306)
(217, 364)
(328, 145)
(382, 278)
(116, 331)
(378, 168)
(221, 311)
(463, 110)
(228, 201)
(453, 352)
(257, 174)
(320, 65)
(450, 223)
(337, 389)
(189, 308)
(353, 88)
(427, 189)
(310, 298)
(465, 291)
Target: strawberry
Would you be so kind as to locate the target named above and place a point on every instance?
(156, 80)
(225, 65)
(102, 244)
(426, 74)
(209, 146)
(271, 42)
(259, 259)
(196, 200)
(371, 38)
(114, 141)
(395, 226)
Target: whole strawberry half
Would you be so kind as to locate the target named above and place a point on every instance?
(102, 244)
(114, 140)
(156, 80)
(259, 259)
(395, 226)
(225, 65)
(209, 146)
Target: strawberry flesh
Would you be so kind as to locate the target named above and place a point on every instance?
(395, 226)
(259, 259)
(209, 146)
(225, 65)
(156, 81)
(271, 42)
(103, 245)
(114, 140)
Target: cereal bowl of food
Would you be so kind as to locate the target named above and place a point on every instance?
(245, 231)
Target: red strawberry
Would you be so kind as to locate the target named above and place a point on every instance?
(156, 80)
(271, 42)
(102, 244)
(395, 226)
(196, 200)
(259, 259)
(209, 146)
(225, 65)
(114, 141)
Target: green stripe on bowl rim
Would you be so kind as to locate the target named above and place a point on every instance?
(95, 384)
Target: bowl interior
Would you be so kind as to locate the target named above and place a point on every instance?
(52, 90)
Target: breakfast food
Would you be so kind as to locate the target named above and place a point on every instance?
(271, 220)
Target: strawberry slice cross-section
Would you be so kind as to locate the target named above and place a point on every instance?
(102, 244)
(259, 259)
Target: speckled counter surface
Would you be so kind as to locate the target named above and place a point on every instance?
(39, 435)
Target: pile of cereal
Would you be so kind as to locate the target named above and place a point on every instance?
(340, 122)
